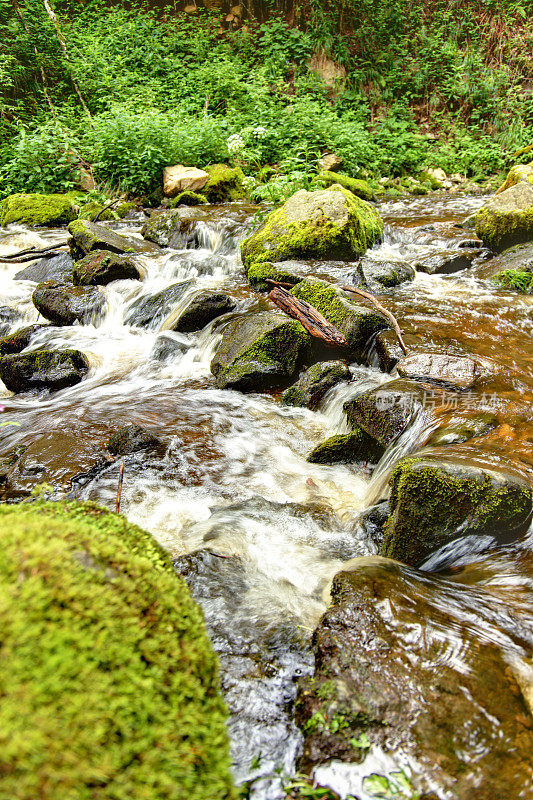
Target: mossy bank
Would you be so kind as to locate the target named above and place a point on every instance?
(108, 683)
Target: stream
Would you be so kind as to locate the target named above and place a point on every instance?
(256, 530)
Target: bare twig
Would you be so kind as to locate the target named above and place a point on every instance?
(119, 490)
(109, 205)
(313, 322)
(280, 283)
(31, 254)
(390, 317)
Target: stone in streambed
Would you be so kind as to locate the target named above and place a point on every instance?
(57, 268)
(445, 263)
(100, 267)
(379, 275)
(132, 439)
(311, 387)
(507, 218)
(435, 502)
(88, 236)
(380, 671)
(373, 522)
(43, 369)
(259, 351)
(282, 271)
(457, 372)
(347, 448)
(356, 186)
(15, 342)
(331, 223)
(49, 210)
(64, 305)
(179, 179)
(357, 323)
(173, 228)
(203, 309)
(386, 350)
(7, 317)
(520, 173)
(151, 310)
(188, 199)
(224, 184)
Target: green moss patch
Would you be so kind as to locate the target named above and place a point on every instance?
(347, 448)
(37, 209)
(224, 184)
(108, 683)
(188, 198)
(358, 187)
(515, 279)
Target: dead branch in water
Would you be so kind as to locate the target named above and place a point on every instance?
(119, 490)
(392, 319)
(313, 322)
(105, 208)
(31, 254)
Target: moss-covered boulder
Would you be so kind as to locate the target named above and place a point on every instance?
(225, 184)
(357, 323)
(175, 227)
(331, 223)
(384, 677)
(203, 308)
(188, 198)
(48, 210)
(284, 272)
(15, 342)
(88, 236)
(313, 384)
(520, 173)
(65, 305)
(106, 213)
(507, 218)
(435, 502)
(356, 186)
(43, 369)
(346, 448)
(259, 351)
(133, 439)
(108, 682)
(100, 267)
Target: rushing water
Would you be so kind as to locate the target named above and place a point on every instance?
(268, 529)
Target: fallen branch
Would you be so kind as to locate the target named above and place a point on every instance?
(105, 208)
(283, 284)
(119, 490)
(390, 317)
(31, 252)
(313, 322)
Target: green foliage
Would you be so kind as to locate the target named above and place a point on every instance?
(108, 682)
(393, 786)
(515, 280)
(39, 160)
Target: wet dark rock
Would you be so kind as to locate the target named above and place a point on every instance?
(384, 668)
(64, 305)
(518, 258)
(151, 310)
(100, 267)
(15, 342)
(379, 275)
(387, 411)
(7, 317)
(43, 369)
(386, 351)
(457, 372)
(434, 502)
(168, 347)
(132, 439)
(7, 462)
(57, 268)
(313, 384)
(88, 236)
(469, 243)
(474, 425)
(373, 521)
(357, 323)
(347, 448)
(203, 308)
(444, 263)
(174, 228)
(259, 351)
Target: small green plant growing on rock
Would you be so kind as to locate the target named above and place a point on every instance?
(393, 786)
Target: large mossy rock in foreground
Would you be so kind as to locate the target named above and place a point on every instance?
(357, 323)
(507, 218)
(520, 173)
(43, 369)
(388, 665)
(48, 210)
(259, 351)
(108, 683)
(332, 223)
(436, 502)
(64, 305)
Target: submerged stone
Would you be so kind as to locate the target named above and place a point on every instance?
(435, 502)
(100, 267)
(49, 210)
(91, 609)
(132, 439)
(203, 309)
(57, 268)
(311, 387)
(347, 448)
(88, 236)
(357, 323)
(15, 342)
(64, 305)
(259, 351)
(43, 369)
(385, 677)
(507, 218)
(330, 223)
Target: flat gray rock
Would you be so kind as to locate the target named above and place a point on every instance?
(458, 372)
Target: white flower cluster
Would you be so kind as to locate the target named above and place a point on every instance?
(259, 132)
(249, 183)
(235, 143)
